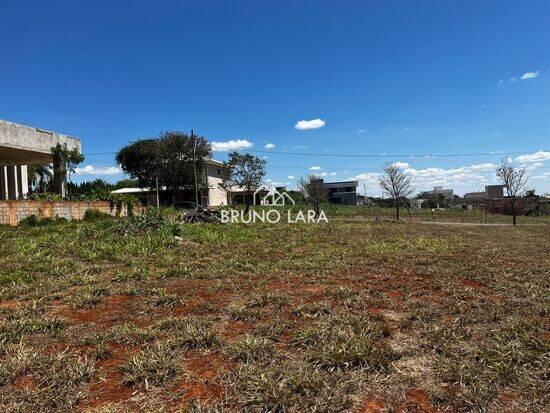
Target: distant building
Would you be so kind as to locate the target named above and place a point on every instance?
(475, 195)
(491, 192)
(447, 193)
(437, 198)
(417, 203)
(494, 191)
(344, 193)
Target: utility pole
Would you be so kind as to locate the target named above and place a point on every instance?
(195, 167)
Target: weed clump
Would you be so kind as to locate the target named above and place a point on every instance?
(93, 215)
(150, 221)
(155, 365)
(293, 386)
(251, 349)
(346, 342)
(189, 332)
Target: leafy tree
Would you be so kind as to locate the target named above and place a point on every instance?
(396, 183)
(39, 176)
(169, 158)
(244, 171)
(514, 180)
(65, 162)
(97, 186)
(127, 183)
(313, 190)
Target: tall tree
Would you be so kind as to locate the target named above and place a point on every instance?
(65, 161)
(396, 183)
(514, 180)
(313, 190)
(170, 158)
(244, 171)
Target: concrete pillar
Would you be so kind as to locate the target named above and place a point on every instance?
(16, 183)
(3, 183)
(24, 181)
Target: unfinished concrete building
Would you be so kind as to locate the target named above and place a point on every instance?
(21, 146)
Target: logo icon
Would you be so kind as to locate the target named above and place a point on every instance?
(273, 197)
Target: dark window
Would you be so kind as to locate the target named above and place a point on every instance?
(219, 171)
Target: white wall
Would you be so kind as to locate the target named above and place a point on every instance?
(216, 195)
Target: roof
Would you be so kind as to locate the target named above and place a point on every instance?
(342, 183)
(214, 162)
(135, 190)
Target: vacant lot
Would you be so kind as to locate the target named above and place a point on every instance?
(353, 315)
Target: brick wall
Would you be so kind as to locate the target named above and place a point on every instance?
(11, 212)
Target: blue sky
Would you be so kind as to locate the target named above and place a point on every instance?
(391, 77)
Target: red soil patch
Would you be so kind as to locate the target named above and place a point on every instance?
(12, 303)
(372, 406)
(109, 388)
(114, 308)
(472, 283)
(394, 295)
(26, 383)
(416, 400)
(200, 377)
(375, 310)
(233, 329)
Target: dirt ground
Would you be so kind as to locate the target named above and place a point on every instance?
(352, 316)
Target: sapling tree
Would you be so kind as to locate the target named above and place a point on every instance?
(314, 191)
(396, 183)
(514, 181)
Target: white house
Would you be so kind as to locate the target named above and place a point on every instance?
(214, 196)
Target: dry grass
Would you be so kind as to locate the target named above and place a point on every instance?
(352, 315)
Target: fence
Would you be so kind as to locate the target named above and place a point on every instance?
(11, 212)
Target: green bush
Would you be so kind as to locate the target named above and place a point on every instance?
(95, 215)
(34, 221)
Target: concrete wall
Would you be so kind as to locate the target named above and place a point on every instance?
(344, 198)
(11, 212)
(26, 145)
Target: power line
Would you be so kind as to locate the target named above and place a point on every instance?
(384, 155)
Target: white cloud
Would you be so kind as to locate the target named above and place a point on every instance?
(231, 145)
(529, 75)
(361, 130)
(371, 177)
(271, 182)
(525, 76)
(269, 146)
(539, 156)
(324, 174)
(310, 124)
(403, 165)
(315, 168)
(98, 170)
(290, 177)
